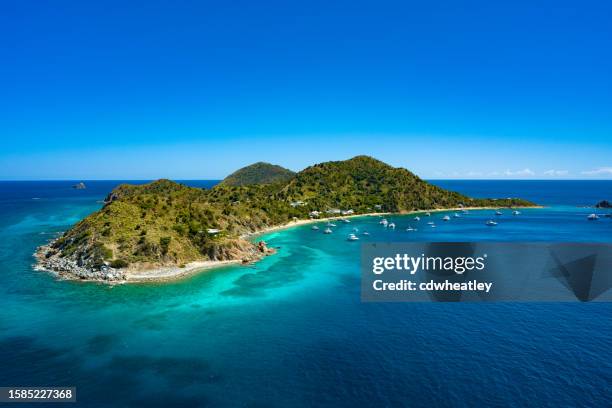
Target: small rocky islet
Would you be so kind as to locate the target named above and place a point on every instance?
(603, 204)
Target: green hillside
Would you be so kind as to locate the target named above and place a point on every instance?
(363, 182)
(258, 173)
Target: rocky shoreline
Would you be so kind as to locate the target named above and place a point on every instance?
(50, 260)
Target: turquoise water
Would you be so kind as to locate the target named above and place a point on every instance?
(291, 330)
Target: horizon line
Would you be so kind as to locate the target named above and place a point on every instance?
(215, 179)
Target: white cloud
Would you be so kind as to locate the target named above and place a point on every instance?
(474, 174)
(602, 171)
(556, 173)
(520, 173)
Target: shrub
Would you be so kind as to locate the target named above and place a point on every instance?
(118, 263)
(164, 242)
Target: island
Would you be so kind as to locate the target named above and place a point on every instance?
(164, 229)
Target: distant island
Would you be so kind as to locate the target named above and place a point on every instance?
(164, 229)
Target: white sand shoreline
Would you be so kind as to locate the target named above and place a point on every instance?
(298, 223)
(175, 272)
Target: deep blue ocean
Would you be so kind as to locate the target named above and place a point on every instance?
(291, 330)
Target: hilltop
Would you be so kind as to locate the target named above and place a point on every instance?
(364, 183)
(167, 224)
(258, 173)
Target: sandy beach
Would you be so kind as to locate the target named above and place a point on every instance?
(297, 223)
(175, 272)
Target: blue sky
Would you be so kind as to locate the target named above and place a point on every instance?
(194, 90)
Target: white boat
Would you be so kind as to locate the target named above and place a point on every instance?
(346, 220)
(428, 214)
(384, 222)
(365, 233)
(355, 229)
(593, 217)
(391, 225)
(410, 229)
(516, 212)
(353, 237)
(315, 228)
(430, 223)
(465, 212)
(433, 225)
(327, 231)
(456, 215)
(417, 218)
(446, 218)
(330, 224)
(491, 223)
(498, 213)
